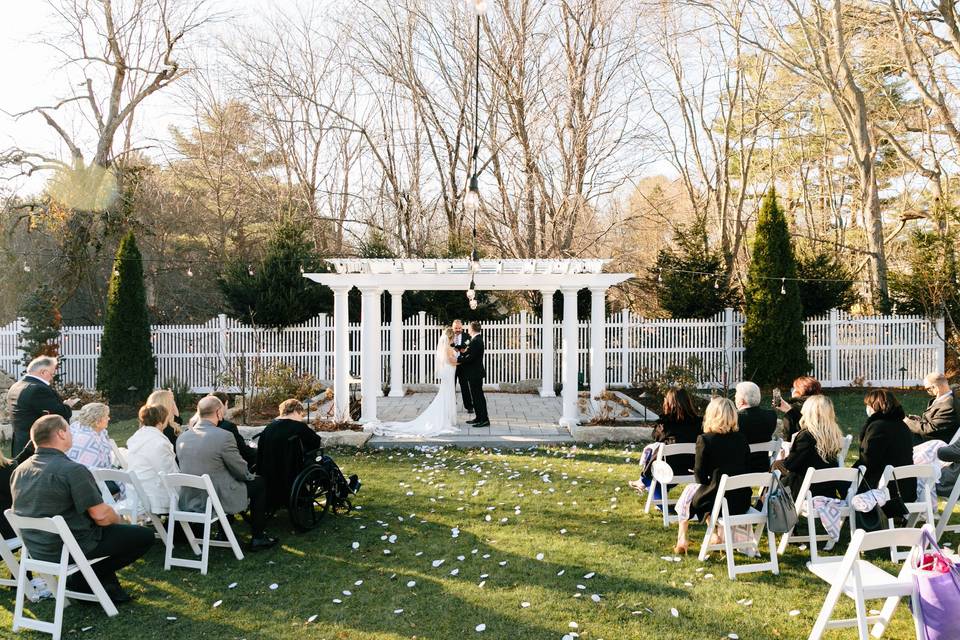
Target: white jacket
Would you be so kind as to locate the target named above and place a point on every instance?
(150, 455)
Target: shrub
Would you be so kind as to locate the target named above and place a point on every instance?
(41, 336)
(279, 381)
(825, 284)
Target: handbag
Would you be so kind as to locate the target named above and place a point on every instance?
(936, 581)
(872, 520)
(895, 507)
(781, 510)
(662, 472)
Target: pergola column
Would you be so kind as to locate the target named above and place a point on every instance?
(598, 347)
(369, 353)
(396, 343)
(546, 345)
(341, 354)
(571, 414)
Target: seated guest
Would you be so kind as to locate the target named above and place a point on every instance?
(721, 449)
(208, 449)
(150, 456)
(171, 428)
(817, 445)
(950, 473)
(273, 450)
(679, 423)
(49, 484)
(756, 423)
(247, 452)
(803, 388)
(91, 442)
(885, 440)
(32, 397)
(942, 416)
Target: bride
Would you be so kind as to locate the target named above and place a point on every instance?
(441, 416)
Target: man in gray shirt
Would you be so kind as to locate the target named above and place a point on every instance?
(49, 484)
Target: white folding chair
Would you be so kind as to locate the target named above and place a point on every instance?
(118, 454)
(923, 506)
(72, 560)
(844, 450)
(804, 504)
(861, 580)
(943, 519)
(771, 448)
(136, 506)
(213, 512)
(755, 520)
(8, 550)
(663, 453)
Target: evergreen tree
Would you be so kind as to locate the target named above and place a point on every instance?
(273, 291)
(41, 336)
(825, 283)
(127, 367)
(775, 348)
(929, 288)
(690, 279)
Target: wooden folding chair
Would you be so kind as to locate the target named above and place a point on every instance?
(860, 580)
(755, 520)
(804, 504)
(213, 512)
(72, 560)
(771, 448)
(663, 454)
(923, 507)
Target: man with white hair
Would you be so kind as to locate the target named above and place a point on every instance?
(32, 397)
(756, 423)
(942, 416)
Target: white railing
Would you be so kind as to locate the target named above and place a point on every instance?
(844, 349)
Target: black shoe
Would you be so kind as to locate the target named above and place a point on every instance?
(479, 425)
(218, 533)
(260, 543)
(118, 594)
(474, 421)
(353, 483)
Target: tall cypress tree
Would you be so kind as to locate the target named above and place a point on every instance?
(775, 347)
(127, 367)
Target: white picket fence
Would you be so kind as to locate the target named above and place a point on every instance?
(844, 349)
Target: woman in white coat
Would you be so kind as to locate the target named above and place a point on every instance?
(150, 456)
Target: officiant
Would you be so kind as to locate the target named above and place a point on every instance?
(460, 340)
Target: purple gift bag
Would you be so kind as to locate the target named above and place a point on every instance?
(937, 582)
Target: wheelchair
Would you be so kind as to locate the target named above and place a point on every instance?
(313, 492)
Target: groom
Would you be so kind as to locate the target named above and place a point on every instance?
(470, 363)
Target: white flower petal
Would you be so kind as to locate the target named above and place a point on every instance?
(274, 586)
(674, 612)
(480, 628)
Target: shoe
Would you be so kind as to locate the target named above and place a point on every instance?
(218, 533)
(118, 594)
(260, 543)
(353, 483)
(472, 421)
(78, 584)
(480, 425)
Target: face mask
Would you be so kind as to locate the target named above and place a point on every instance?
(793, 392)
(870, 411)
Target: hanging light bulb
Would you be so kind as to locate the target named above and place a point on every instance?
(116, 272)
(189, 272)
(26, 267)
(716, 282)
(660, 276)
(250, 269)
(783, 286)
(471, 202)
(471, 291)
(480, 6)
(301, 270)
(473, 304)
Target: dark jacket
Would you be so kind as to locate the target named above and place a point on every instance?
(471, 359)
(670, 431)
(949, 474)
(941, 418)
(172, 433)
(277, 457)
(886, 439)
(757, 425)
(247, 452)
(28, 399)
(791, 419)
(718, 454)
(803, 455)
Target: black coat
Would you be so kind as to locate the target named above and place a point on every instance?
(886, 439)
(791, 419)
(757, 425)
(248, 453)
(471, 359)
(803, 455)
(277, 461)
(28, 399)
(670, 431)
(718, 454)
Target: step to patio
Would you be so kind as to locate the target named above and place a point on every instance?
(472, 440)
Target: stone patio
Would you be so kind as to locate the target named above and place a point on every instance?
(517, 420)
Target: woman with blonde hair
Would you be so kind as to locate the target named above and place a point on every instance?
(816, 445)
(171, 427)
(721, 449)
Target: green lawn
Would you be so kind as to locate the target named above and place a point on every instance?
(584, 521)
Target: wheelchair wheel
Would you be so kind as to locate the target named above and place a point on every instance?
(308, 498)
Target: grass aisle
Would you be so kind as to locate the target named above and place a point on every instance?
(448, 541)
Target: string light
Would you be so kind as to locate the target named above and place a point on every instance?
(116, 272)
(301, 270)
(189, 272)
(716, 282)
(473, 304)
(250, 270)
(783, 286)
(660, 276)
(26, 267)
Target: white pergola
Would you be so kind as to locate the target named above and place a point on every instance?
(374, 276)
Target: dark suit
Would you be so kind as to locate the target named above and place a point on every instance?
(247, 452)
(940, 420)
(458, 343)
(757, 425)
(28, 399)
(473, 371)
(718, 454)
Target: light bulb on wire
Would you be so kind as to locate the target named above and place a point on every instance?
(480, 6)
(26, 267)
(473, 304)
(250, 270)
(189, 272)
(783, 286)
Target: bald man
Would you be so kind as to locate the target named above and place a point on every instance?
(205, 448)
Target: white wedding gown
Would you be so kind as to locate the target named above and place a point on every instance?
(440, 417)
